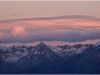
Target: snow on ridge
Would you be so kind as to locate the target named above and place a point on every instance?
(14, 57)
(63, 51)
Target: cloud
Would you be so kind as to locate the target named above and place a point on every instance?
(72, 28)
(1, 34)
(67, 36)
(18, 31)
(19, 34)
(71, 22)
(84, 17)
(13, 14)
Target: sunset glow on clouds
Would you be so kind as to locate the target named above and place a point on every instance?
(1, 34)
(73, 28)
(18, 31)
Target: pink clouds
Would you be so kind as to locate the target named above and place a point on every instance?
(66, 29)
(18, 31)
(83, 22)
(1, 34)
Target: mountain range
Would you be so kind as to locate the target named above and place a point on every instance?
(44, 59)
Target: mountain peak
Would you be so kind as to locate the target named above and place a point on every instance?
(41, 44)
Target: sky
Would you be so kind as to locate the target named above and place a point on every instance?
(53, 22)
(21, 9)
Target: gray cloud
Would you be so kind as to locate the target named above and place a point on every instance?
(14, 14)
(65, 36)
(68, 36)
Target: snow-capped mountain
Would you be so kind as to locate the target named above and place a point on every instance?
(17, 52)
(38, 54)
(14, 54)
(18, 59)
(67, 50)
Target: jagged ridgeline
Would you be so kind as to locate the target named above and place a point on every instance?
(44, 59)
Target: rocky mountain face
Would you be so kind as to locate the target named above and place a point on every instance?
(43, 59)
